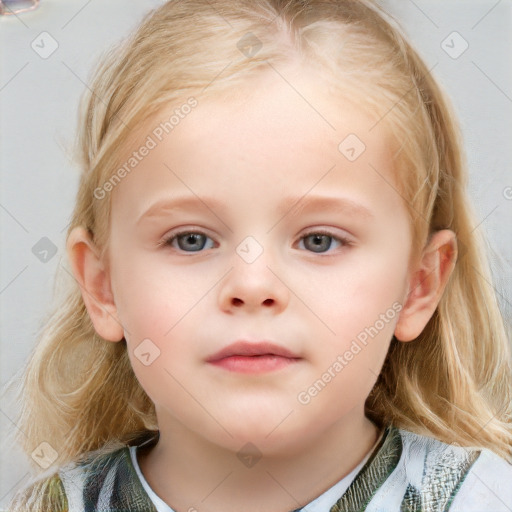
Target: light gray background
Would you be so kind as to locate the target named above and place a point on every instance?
(39, 99)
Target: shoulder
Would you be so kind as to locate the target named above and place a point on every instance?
(101, 482)
(487, 486)
(43, 494)
(459, 478)
(105, 482)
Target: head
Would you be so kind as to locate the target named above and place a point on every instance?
(288, 103)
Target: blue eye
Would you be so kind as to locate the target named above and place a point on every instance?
(319, 242)
(191, 242)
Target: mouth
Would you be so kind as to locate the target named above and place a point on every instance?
(253, 357)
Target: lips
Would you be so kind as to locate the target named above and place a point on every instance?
(244, 348)
(253, 357)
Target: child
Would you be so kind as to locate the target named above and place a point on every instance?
(329, 339)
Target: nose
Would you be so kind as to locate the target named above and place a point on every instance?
(253, 287)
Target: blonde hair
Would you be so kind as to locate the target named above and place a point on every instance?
(453, 383)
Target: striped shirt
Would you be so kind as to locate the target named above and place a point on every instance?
(406, 472)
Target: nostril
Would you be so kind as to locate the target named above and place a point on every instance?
(268, 302)
(236, 301)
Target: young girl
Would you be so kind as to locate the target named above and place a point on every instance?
(279, 301)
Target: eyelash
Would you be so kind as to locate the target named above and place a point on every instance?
(167, 241)
(343, 241)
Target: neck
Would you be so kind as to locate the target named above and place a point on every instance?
(188, 472)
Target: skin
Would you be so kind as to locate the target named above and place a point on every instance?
(242, 157)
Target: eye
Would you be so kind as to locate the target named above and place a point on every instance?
(190, 242)
(321, 242)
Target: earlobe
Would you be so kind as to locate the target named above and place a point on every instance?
(427, 283)
(90, 272)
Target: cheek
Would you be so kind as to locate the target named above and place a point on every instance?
(359, 291)
(153, 296)
(360, 303)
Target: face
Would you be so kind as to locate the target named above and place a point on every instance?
(257, 271)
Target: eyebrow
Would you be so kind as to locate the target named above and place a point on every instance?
(296, 205)
(289, 206)
(165, 206)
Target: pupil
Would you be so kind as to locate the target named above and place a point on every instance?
(319, 243)
(192, 241)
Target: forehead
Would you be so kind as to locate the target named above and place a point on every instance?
(281, 131)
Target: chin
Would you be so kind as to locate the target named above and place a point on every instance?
(271, 435)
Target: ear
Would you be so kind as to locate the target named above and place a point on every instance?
(90, 272)
(429, 278)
